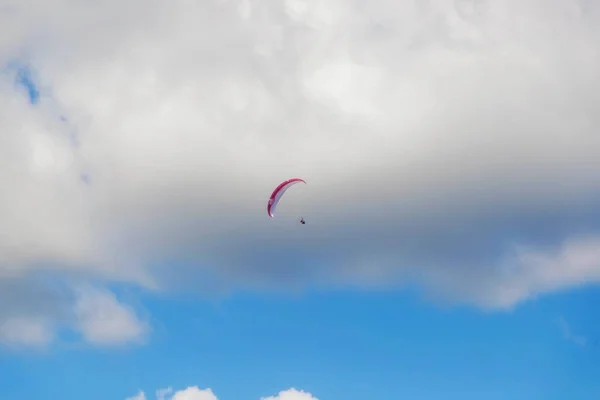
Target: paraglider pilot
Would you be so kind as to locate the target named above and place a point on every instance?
(302, 221)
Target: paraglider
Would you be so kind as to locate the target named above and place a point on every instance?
(279, 192)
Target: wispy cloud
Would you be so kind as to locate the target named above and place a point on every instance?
(569, 335)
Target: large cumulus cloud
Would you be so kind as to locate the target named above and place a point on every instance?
(452, 143)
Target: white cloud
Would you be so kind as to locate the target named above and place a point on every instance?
(291, 394)
(102, 320)
(30, 312)
(34, 311)
(23, 331)
(527, 272)
(161, 394)
(139, 396)
(195, 393)
(436, 138)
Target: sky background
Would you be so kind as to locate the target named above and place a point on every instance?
(452, 244)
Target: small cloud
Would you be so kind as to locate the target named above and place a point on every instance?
(102, 320)
(569, 335)
(161, 394)
(139, 396)
(195, 393)
(190, 393)
(292, 394)
(26, 332)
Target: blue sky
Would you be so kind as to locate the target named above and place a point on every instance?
(334, 345)
(452, 244)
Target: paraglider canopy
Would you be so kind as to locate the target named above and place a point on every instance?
(278, 193)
